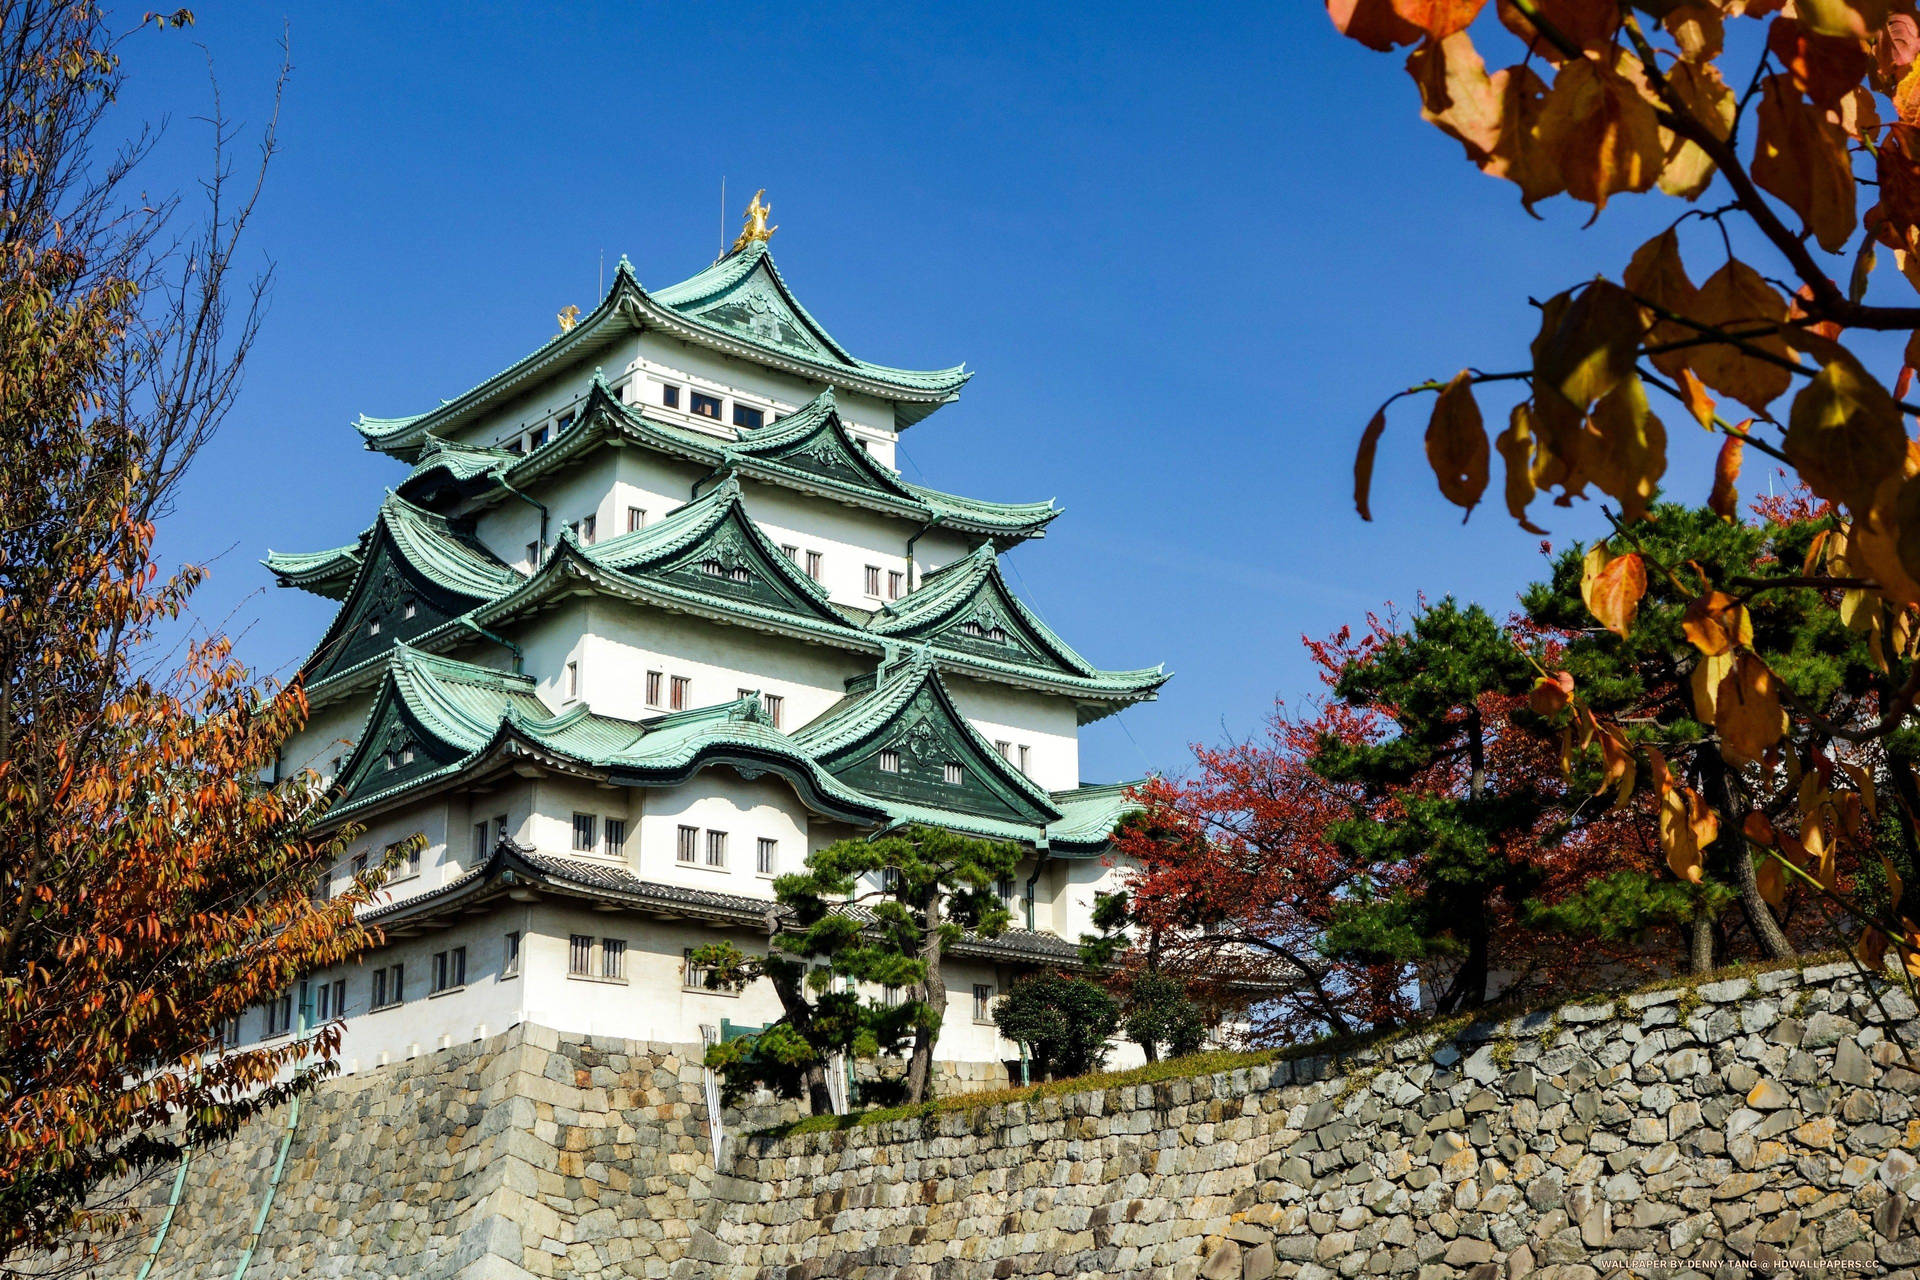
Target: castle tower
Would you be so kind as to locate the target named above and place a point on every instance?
(649, 616)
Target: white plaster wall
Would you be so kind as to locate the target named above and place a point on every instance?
(330, 732)
(1047, 723)
(718, 799)
(663, 358)
(617, 643)
(848, 540)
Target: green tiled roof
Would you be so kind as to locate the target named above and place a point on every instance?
(809, 450)
(436, 718)
(739, 306)
(325, 573)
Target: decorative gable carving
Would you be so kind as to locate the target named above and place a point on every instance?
(391, 601)
(757, 309)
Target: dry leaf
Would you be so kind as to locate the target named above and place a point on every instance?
(1657, 276)
(1601, 133)
(1516, 447)
(1624, 449)
(1551, 694)
(1612, 587)
(1747, 710)
(1363, 463)
(1844, 434)
(1724, 500)
(1802, 158)
(1457, 443)
(1737, 301)
(1716, 623)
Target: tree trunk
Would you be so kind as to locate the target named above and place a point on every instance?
(920, 1064)
(1700, 953)
(1760, 918)
(819, 1099)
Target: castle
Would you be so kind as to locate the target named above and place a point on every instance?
(650, 616)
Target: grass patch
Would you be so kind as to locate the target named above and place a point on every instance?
(1217, 1061)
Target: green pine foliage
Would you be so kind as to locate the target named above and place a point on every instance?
(1064, 1022)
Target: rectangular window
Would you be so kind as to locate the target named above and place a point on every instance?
(564, 421)
(573, 679)
(1004, 887)
(873, 580)
(538, 438)
(373, 626)
(982, 1002)
(813, 565)
(654, 679)
(613, 959)
(589, 529)
(678, 693)
(586, 828)
(766, 856)
(1025, 754)
(510, 960)
(889, 879)
(775, 706)
(636, 519)
(703, 405)
(410, 865)
(889, 761)
(670, 396)
(579, 955)
(388, 986)
(954, 775)
(533, 554)
(1005, 749)
(743, 693)
(716, 848)
(687, 849)
(790, 551)
(616, 829)
(516, 446)
(358, 867)
(280, 1015)
(692, 976)
(480, 849)
(746, 418)
(895, 581)
(227, 1034)
(449, 969)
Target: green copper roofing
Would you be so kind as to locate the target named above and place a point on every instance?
(904, 741)
(416, 574)
(435, 718)
(809, 450)
(1088, 816)
(739, 306)
(967, 610)
(325, 573)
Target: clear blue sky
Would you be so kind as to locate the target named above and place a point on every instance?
(1186, 258)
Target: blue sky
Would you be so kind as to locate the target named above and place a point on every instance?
(1186, 258)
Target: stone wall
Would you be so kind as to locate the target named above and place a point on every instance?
(1763, 1117)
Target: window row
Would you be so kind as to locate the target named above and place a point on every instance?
(356, 867)
(896, 582)
(1019, 755)
(702, 404)
(953, 773)
(592, 834)
(604, 959)
(688, 847)
(814, 564)
(486, 835)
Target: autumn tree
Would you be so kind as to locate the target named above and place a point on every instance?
(879, 912)
(151, 888)
(1806, 157)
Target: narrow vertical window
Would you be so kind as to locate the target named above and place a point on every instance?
(1005, 749)
(954, 774)
(889, 761)
(1026, 753)
(766, 855)
(813, 565)
(790, 551)
(613, 958)
(339, 997)
(895, 581)
(510, 959)
(538, 438)
(616, 835)
(687, 848)
(775, 706)
(873, 580)
(359, 865)
(982, 1002)
(499, 827)
(692, 976)
(716, 848)
(378, 995)
(480, 849)
(589, 529)
(585, 829)
(670, 396)
(636, 519)
(573, 679)
(533, 555)
(579, 955)
(682, 686)
(654, 679)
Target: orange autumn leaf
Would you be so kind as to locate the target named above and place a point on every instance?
(1612, 587)
(1551, 694)
(1363, 464)
(1747, 712)
(1724, 501)
(1802, 158)
(1737, 300)
(1600, 132)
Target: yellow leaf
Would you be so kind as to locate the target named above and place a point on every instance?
(1708, 672)
(1747, 711)
(1516, 446)
(1517, 154)
(1656, 276)
(1600, 132)
(1844, 434)
(1363, 463)
(1457, 443)
(1617, 759)
(1801, 157)
(1687, 171)
(1699, 403)
(1771, 880)
(1612, 587)
(1861, 19)
(1456, 94)
(1687, 828)
(1624, 449)
(1737, 301)
(1591, 345)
